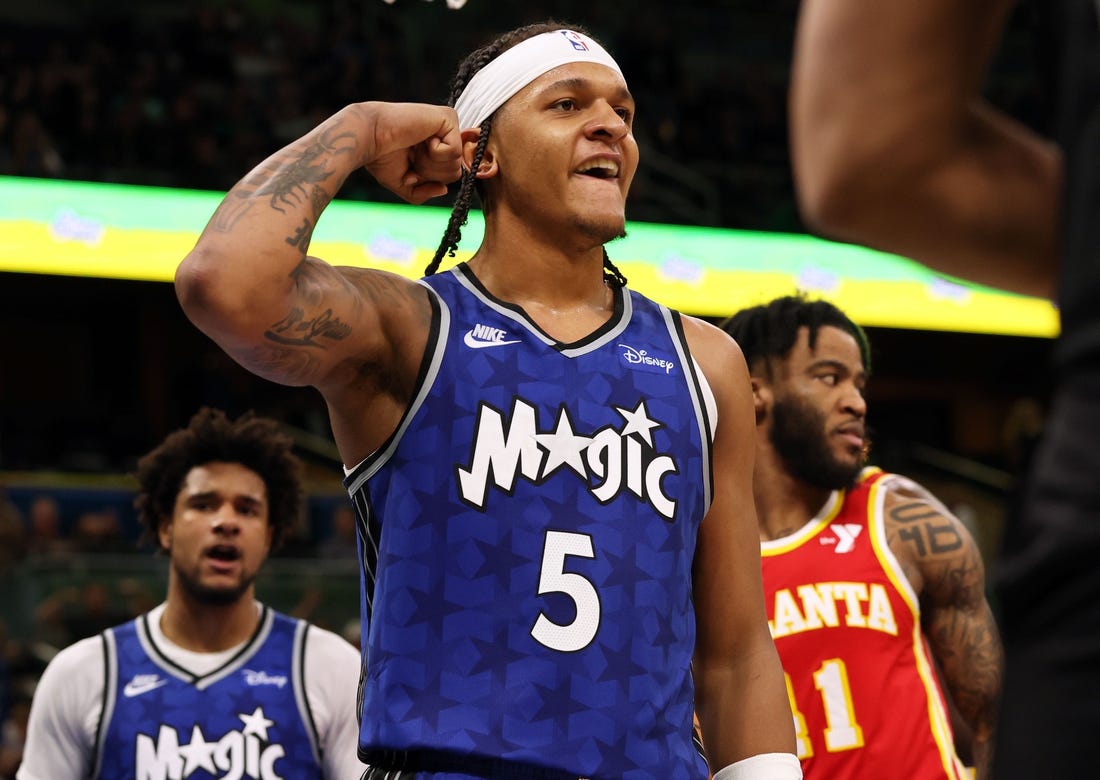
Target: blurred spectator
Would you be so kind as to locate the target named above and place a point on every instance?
(298, 539)
(46, 542)
(100, 532)
(341, 541)
(135, 596)
(13, 735)
(33, 152)
(73, 613)
(13, 533)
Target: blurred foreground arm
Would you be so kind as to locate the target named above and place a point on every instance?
(893, 147)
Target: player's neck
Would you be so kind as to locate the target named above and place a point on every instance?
(784, 503)
(519, 264)
(564, 294)
(208, 628)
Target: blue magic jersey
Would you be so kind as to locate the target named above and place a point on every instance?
(247, 719)
(528, 536)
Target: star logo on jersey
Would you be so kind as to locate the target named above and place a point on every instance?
(143, 683)
(845, 540)
(244, 752)
(510, 446)
(482, 336)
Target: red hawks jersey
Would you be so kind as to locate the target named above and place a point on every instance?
(846, 622)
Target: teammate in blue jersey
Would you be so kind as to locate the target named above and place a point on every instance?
(553, 581)
(211, 683)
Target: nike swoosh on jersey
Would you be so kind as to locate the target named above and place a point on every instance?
(475, 343)
(138, 687)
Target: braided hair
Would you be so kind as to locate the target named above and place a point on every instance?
(469, 183)
(769, 331)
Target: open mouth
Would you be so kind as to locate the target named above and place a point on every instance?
(224, 552)
(600, 169)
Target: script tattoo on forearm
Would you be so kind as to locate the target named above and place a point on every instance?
(926, 529)
(296, 330)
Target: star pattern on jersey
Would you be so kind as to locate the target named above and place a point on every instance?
(256, 723)
(639, 422)
(461, 591)
(563, 446)
(198, 753)
(495, 653)
(620, 663)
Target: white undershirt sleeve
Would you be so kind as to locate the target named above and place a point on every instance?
(64, 714)
(331, 680)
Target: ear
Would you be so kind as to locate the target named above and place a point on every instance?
(164, 533)
(761, 397)
(488, 166)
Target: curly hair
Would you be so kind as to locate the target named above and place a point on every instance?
(770, 330)
(469, 183)
(252, 441)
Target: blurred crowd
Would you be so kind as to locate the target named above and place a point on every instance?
(194, 98)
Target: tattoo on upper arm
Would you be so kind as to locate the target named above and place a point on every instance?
(954, 614)
(301, 236)
(926, 529)
(296, 330)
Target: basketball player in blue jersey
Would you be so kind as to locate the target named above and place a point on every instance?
(552, 579)
(211, 683)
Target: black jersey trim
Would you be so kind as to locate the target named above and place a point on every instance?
(429, 366)
(263, 628)
(434, 761)
(618, 321)
(706, 425)
(301, 688)
(110, 681)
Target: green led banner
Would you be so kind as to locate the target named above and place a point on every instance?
(129, 232)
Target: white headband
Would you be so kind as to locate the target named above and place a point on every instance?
(517, 67)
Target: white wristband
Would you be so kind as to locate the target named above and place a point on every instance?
(766, 766)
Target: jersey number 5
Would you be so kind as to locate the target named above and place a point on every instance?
(553, 578)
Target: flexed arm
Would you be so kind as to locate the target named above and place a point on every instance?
(945, 567)
(249, 283)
